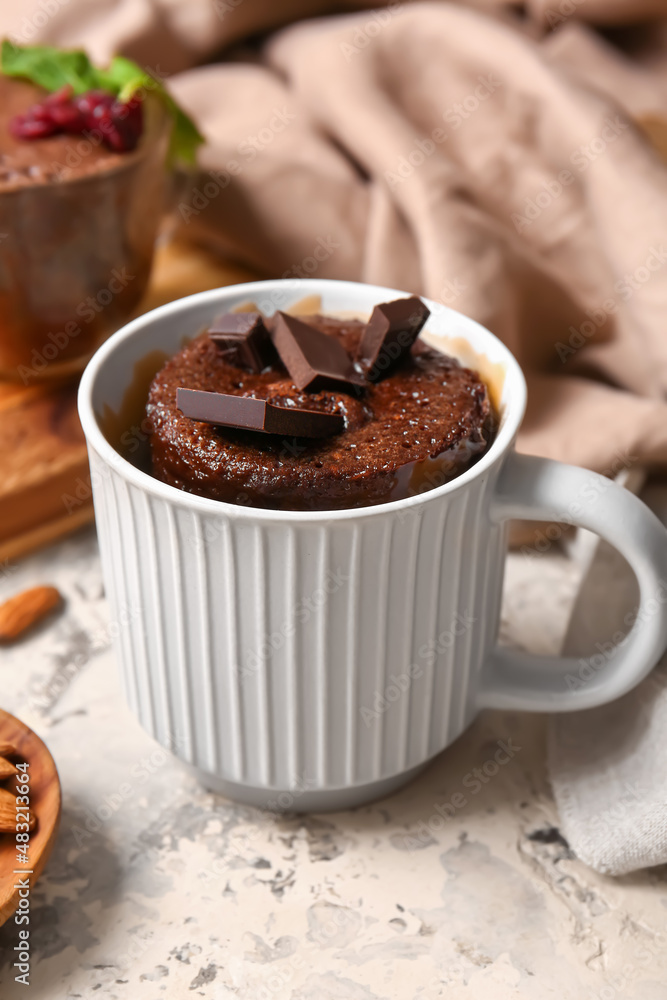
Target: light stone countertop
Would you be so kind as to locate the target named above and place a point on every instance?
(157, 889)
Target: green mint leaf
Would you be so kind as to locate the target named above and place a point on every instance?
(185, 136)
(52, 69)
(125, 78)
(49, 68)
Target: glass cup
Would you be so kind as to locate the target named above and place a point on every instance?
(75, 255)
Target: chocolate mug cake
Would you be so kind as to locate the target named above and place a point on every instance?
(316, 412)
(262, 637)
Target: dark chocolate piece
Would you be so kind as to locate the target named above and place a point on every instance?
(256, 414)
(390, 333)
(314, 360)
(419, 428)
(244, 340)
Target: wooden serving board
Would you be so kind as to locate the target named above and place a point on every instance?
(45, 802)
(44, 479)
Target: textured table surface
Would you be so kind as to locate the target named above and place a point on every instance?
(157, 889)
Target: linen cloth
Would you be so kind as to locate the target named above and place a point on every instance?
(608, 769)
(608, 766)
(500, 159)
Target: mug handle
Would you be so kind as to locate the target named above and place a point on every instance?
(533, 488)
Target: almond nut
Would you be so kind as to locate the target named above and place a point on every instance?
(7, 749)
(6, 769)
(24, 610)
(9, 811)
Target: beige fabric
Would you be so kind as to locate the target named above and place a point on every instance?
(605, 12)
(608, 765)
(608, 769)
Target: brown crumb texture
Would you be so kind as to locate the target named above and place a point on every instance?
(418, 428)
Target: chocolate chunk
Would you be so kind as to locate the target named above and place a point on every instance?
(314, 360)
(389, 335)
(244, 340)
(256, 414)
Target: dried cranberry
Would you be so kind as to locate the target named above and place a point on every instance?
(62, 96)
(23, 127)
(120, 124)
(132, 113)
(127, 124)
(67, 117)
(38, 113)
(92, 103)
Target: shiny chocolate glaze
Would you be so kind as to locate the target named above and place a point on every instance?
(415, 430)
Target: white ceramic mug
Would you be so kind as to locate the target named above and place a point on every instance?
(317, 660)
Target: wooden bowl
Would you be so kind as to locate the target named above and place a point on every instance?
(45, 803)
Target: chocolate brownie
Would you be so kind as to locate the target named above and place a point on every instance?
(416, 429)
